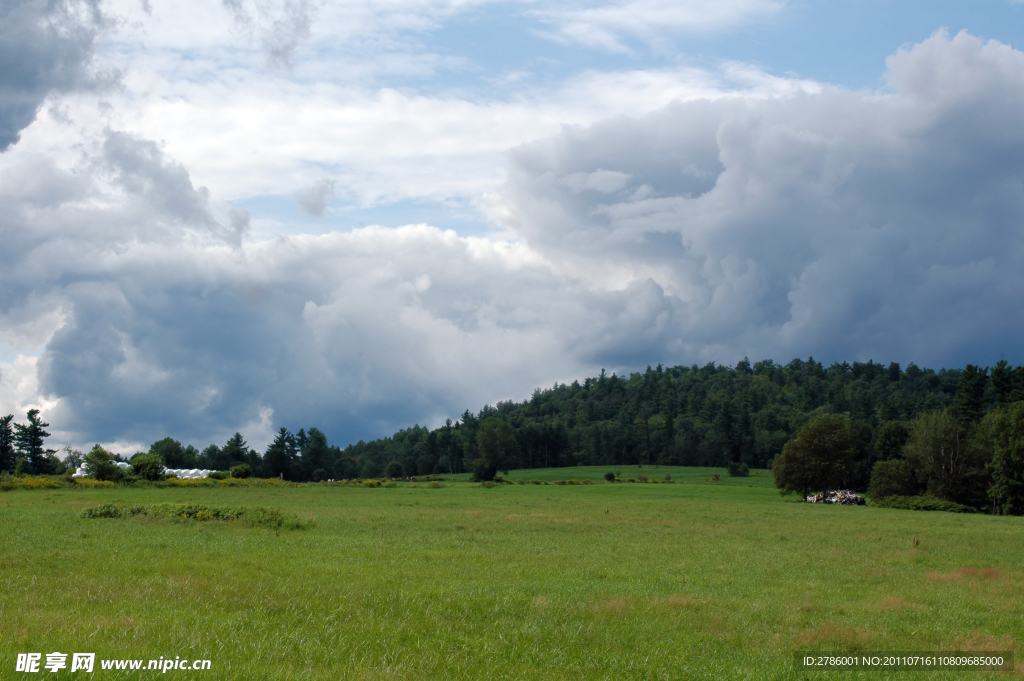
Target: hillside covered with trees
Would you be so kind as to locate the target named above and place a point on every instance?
(701, 416)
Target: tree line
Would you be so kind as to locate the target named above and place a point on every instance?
(969, 453)
(711, 415)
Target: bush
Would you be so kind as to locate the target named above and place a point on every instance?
(147, 466)
(219, 475)
(609, 476)
(643, 478)
(318, 475)
(668, 477)
(394, 470)
(101, 466)
(242, 470)
(738, 469)
(892, 478)
(921, 503)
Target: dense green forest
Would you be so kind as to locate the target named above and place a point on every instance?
(702, 416)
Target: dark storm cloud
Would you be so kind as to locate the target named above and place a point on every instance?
(45, 46)
(843, 224)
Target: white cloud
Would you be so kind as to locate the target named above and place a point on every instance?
(606, 25)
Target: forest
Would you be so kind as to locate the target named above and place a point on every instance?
(713, 415)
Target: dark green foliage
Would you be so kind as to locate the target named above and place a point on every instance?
(821, 457)
(147, 466)
(318, 475)
(101, 465)
(970, 396)
(945, 460)
(890, 439)
(738, 469)
(174, 455)
(315, 454)
(609, 476)
(29, 439)
(241, 470)
(220, 475)
(1005, 433)
(281, 455)
(7, 453)
(1002, 382)
(394, 470)
(496, 449)
(922, 503)
(234, 452)
(889, 478)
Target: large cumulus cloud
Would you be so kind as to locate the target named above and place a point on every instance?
(835, 223)
(847, 224)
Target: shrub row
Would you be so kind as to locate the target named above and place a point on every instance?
(251, 516)
(921, 503)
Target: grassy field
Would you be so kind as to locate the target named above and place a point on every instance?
(692, 580)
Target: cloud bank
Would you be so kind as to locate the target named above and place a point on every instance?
(841, 224)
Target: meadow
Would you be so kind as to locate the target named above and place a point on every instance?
(697, 579)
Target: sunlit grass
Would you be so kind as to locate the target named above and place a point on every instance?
(606, 581)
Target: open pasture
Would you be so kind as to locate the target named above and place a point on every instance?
(692, 580)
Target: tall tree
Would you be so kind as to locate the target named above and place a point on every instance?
(234, 451)
(280, 455)
(496, 450)
(7, 455)
(1002, 382)
(1006, 434)
(30, 441)
(944, 458)
(821, 457)
(970, 395)
(315, 460)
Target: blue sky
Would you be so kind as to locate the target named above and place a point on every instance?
(362, 215)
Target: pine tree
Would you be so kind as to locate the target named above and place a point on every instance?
(1002, 382)
(970, 395)
(30, 440)
(280, 455)
(7, 455)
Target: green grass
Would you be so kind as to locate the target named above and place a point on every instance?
(693, 580)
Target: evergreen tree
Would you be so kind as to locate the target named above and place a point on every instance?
(234, 451)
(970, 396)
(7, 453)
(315, 454)
(1002, 382)
(30, 442)
(280, 455)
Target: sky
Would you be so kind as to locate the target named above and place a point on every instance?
(361, 215)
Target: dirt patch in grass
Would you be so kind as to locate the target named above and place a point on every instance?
(892, 603)
(554, 519)
(839, 635)
(982, 642)
(615, 606)
(979, 573)
(679, 601)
